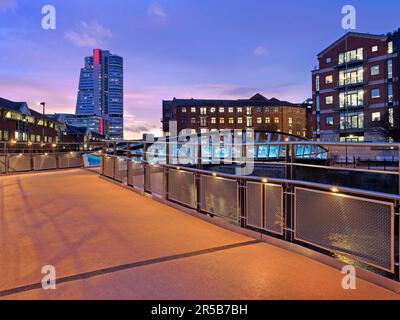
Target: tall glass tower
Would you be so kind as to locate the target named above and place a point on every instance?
(100, 97)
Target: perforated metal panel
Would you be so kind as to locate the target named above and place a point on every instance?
(360, 228)
(108, 166)
(181, 187)
(44, 162)
(219, 196)
(69, 160)
(2, 164)
(135, 175)
(274, 208)
(121, 169)
(155, 173)
(19, 163)
(254, 204)
(264, 206)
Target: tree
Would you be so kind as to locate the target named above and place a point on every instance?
(389, 125)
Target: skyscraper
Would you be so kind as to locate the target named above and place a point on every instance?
(100, 96)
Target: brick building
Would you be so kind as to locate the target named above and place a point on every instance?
(18, 123)
(257, 112)
(355, 85)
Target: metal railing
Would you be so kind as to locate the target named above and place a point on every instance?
(354, 224)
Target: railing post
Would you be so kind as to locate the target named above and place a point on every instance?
(288, 192)
(242, 202)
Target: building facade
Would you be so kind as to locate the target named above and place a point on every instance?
(19, 123)
(100, 103)
(355, 85)
(258, 113)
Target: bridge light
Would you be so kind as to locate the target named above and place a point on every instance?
(335, 190)
(13, 142)
(214, 174)
(264, 180)
(54, 145)
(46, 154)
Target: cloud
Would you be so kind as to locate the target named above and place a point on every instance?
(156, 10)
(91, 34)
(260, 51)
(6, 5)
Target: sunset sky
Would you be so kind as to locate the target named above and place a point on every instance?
(174, 48)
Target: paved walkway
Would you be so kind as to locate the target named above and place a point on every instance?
(107, 242)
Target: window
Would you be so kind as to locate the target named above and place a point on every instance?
(230, 110)
(374, 70)
(266, 109)
(352, 120)
(240, 110)
(213, 120)
(6, 135)
(248, 110)
(353, 98)
(249, 121)
(231, 120)
(290, 120)
(290, 131)
(329, 79)
(193, 120)
(353, 55)
(376, 116)
(193, 110)
(221, 120)
(351, 76)
(259, 120)
(328, 60)
(184, 109)
(203, 110)
(290, 109)
(276, 120)
(390, 47)
(276, 110)
(375, 93)
(221, 110)
(390, 69)
(390, 92)
(374, 49)
(258, 109)
(203, 122)
(329, 121)
(212, 110)
(239, 120)
(329, 100)
(317, 83)
(267, 120)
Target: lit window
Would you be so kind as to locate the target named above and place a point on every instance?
(222, 120)
(248, 111)
(290, 131)
(184, 109)
(230, 110)
(267, 120)
(240, 110)
(221, 110)
(329, 79)
(329, 121)
(317, 83)
(276, 110)
(374, 49)
(212, 110)
(266, 109)
(390, 69)
(231, 120)
(259, 120)
(374, 70)
(276, 120)
(203, 110)
(193, 120)
(239, 120)
(213, 120)
(375, 93)
(376, 116)
(328, 60)
(193, 110)
(290, 120)
(329, 100)
(390, 47)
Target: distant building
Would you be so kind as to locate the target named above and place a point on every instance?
(19, 123)
(356, 84)
(100, 98)
(81, 135)
(257, 112)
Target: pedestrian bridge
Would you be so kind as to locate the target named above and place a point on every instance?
(108, 242)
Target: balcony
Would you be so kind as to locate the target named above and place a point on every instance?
(351, 62)
(351, 82)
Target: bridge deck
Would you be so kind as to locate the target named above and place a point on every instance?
(107, 242)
